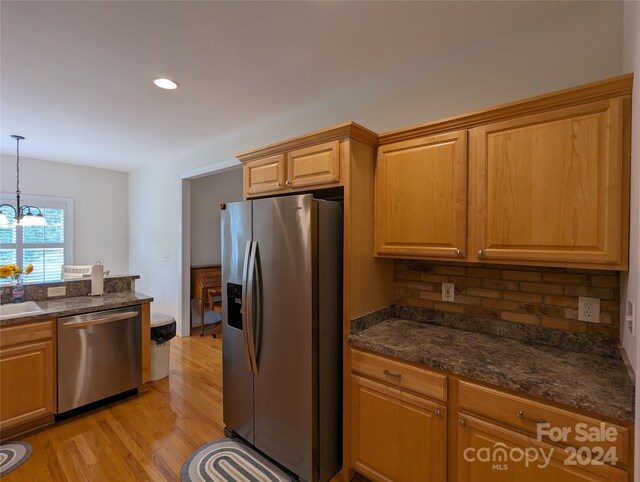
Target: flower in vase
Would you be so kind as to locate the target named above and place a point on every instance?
(14, 272)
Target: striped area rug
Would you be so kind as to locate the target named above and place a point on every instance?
(13, 455)
(226, 460)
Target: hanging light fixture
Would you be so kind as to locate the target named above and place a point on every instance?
(23, 214)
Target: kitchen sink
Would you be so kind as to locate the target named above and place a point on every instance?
(13, 310)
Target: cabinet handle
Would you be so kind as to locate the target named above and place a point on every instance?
(481, 252)
(391, 374)
(279, 184)
(462, 423)
(287, 183)
(437, 412)
(458, 252)
(520, 414)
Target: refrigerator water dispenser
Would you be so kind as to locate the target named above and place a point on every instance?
(234, 305)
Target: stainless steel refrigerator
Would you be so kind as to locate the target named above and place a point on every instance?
(282, 330)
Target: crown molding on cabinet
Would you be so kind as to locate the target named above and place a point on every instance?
(341, 131)
(603, 89)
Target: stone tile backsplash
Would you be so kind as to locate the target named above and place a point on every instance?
(539, 296)
(38, 291)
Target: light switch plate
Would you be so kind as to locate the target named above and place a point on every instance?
(630, 317)
(448, 292)
(56, 291)
(589, 309)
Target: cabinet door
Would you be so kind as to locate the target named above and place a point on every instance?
(490, 453)
(264, 175)
(314, 165)
(421, 197)
(549, 186)
(26, 383)
(396, 436)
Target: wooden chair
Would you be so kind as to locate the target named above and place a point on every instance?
(203, 279)
(216, 306)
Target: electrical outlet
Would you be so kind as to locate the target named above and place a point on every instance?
(56, 291)
(165, 258)
(630, 317)
(448, 292)
(589, 309)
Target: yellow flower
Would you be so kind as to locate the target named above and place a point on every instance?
(29, 269)
(5, 272)
(13, 267)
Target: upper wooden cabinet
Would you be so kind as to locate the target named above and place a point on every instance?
(314, 165)
(547, 183)
(421, 197)
(264, 175)
(314, 161)
(549, 186)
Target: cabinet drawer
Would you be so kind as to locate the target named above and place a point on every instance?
(429, 384)
(526, 415)
(25, 333)
(314, 165)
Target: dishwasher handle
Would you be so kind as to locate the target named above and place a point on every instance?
(79, 322)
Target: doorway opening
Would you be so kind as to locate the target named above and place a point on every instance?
(202, 192)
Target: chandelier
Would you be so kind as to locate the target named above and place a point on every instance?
(23, 215)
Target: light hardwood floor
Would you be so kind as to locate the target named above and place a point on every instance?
(144, 438)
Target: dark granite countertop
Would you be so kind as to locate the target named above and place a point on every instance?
(592, 382)
(75, 305)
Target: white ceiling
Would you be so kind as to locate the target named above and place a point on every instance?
(76, 77)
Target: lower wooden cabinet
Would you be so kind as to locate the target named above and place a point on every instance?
(523, 415)
(399, 431)
(487, 452)
(395, 435)
(27, 375)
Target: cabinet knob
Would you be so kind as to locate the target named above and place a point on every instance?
(458, 252)
(437, 412)
(279, 184)
(462, 423)
(481, 252)
(287, 183)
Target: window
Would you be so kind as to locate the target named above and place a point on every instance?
(46, 247)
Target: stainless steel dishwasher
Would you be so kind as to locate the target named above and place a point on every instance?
(99, 355)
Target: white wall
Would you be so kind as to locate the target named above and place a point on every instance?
(631, 280)
(100, 208)
(206, 195)
(580, 45)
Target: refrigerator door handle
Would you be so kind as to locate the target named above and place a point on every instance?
(251, 341)
(246, 308)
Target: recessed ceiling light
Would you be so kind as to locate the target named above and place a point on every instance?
(166, 83)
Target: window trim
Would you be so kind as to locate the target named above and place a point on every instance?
(47, 202)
